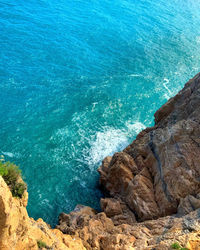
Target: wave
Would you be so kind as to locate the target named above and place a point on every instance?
(110, 140)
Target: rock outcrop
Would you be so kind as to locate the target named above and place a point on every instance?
(19, 232)
(159, 173)
(152, 192)
(152, 186)
(99, 232)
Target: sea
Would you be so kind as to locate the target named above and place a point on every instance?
(79, 79)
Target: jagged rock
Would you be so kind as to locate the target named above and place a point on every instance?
(111, 207)
(188, 204)
(160, 168)
(156, 179)
(117, 174)
(118, 211)
(19, 232)
(163, 232)
(69, 223)
(100, 233)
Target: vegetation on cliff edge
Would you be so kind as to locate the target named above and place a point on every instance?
(176, 245)
(12, 176)
(41, 244)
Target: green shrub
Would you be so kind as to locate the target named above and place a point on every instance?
(176, 245)
(41, 244)
(18, 189)
(11, 175)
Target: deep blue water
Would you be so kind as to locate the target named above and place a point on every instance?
(79, 80)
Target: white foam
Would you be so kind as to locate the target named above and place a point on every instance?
(9, 154)
(198, 39)
(93, 106)
(106, 143)
(135, 127)
(111, 140)
(135, 75)
(169, 94)
(92, 146)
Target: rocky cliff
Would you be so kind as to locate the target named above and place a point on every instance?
(152, 186)
(159, 173)
(19, 232)
(152, 192)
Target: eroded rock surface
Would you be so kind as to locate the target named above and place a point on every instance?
(152, 187)
(19, 232)
(99, 232)
(159, 173)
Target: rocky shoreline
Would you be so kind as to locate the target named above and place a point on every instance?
(152, 192)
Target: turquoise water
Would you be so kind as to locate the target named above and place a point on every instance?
(79, 80)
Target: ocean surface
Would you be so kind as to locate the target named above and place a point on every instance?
(79, 79)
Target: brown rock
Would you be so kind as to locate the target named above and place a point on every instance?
(68, 223)
(188, 204)
(117, 175)
(111, 207)
(160, 168)
(118, 211)
(19, 232)
(101, 233)
(155, 177)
